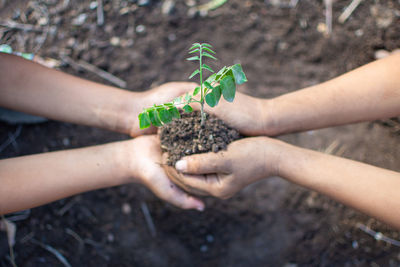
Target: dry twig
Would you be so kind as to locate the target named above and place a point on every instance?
(77, 238)
(11, 230)
(378, 235)
(89, 67)
(11, 139)
(53, 251)
(149, 220)
(19, 26)
(60, 7)
(328, 16)
(66, 207)
(349, 10)
(100, 13)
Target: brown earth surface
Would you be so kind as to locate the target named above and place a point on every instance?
(272, 223)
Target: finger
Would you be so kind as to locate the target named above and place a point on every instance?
(204, 163)
(199, 183)
(135, 132)
(182, 200)
(175, 177)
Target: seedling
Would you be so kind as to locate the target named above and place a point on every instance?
(221, 83)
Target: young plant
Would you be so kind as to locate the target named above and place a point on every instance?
(221, 83)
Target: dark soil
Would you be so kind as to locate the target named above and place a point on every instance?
(187, 136)
(270, 223)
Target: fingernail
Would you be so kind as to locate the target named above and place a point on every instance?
(181, 165)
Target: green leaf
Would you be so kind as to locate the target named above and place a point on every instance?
(217, 93)
(210, 100)
(194, 51)
(228, 88)
(206, 45)
(144, 120)
(195, 45)
(213, 98)
(187, 108)
(174, 113)
(177, 100)
(208, 49)
(188, 97)
(211, 79)
(194, 73)
(193, 58)
(154, 118)
(219, 73)
(208, 85)
(196, 91)
(238, 73)
(164, 115)
(208, 55)
(207, 67)
(169, 105)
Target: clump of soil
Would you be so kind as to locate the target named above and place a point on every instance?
(187, 136)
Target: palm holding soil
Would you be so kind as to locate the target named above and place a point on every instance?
(369, 189)
(225, 173)
(146, 166)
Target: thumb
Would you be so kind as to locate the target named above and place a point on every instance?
(204, 163)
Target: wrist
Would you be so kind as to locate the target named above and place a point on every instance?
(130, 106)
(269, 117)
(124, 163)
(274, 154)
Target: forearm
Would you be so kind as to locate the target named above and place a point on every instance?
(31, 181)
(368, 93)
(372, 190)
(29, 87)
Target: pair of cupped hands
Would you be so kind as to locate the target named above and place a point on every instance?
(219, 174)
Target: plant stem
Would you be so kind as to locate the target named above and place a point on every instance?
(201, 88)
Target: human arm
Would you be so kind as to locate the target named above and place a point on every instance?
(372, 190)
(29, 87)
(30, 181)
(367, 93)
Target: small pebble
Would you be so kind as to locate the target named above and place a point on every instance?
(354, 244)
(172, 37)
(141, 29)
(110, 237)
(203, 248)
(359, 32)
(381, 53)
(143, 2)
(43, 21)
(210, 238)
(66, 141)
(167, 7)
(115, 41)
(303, 23)
(71, 42)
(79, 20)
(93, 5)
(126, 208)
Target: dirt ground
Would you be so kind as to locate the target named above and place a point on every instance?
(282, 47)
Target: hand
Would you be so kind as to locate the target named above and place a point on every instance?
(144, 164)
(248, 115)
(158, 95)
(225, 173)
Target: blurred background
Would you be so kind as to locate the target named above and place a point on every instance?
(283, 45)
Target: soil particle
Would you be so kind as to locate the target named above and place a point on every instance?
(187, 136)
